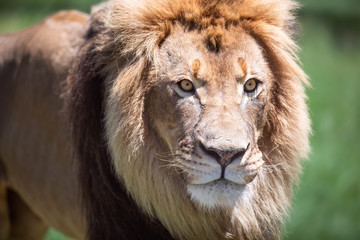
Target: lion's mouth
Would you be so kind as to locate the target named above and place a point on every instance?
(210, 182)
(223, 181)
(203, 169)
(237, 178)
(209, 186)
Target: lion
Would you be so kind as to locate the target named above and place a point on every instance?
(166, 119)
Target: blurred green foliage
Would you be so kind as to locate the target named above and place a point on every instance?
(348, 8)
(36, 5)
(18, 14)
(327, 203)
(327, 200)
(52, 234)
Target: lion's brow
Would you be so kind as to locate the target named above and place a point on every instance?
(243, 66)
(196, 64)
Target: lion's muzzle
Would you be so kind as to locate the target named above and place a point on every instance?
(225, 149)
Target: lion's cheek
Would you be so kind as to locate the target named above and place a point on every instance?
(188, 111)
(256, 113)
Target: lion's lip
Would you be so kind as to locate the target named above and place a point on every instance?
(244, 180)
(224, 180)
(239, 176)
(218, 181)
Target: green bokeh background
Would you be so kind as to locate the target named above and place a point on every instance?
(327, 200)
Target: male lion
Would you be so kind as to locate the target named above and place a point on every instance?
(164, 119)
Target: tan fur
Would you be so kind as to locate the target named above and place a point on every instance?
(141, 49)
(35, 149)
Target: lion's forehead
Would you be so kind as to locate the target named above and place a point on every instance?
(239, 55)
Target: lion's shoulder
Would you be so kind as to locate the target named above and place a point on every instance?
(54, 40)
(70, 16)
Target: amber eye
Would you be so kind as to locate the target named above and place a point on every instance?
(250, 85)
(186, 85)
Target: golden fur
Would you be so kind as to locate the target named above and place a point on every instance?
(127, 114)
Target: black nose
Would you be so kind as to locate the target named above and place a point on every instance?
(223, 156)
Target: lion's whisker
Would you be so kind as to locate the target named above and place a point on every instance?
(272, 149)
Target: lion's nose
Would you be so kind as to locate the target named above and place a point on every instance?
(223, 156)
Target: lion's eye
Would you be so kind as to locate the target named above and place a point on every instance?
(186, 85)
(250, 85)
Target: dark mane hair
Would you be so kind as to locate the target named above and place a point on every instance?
(110, 212)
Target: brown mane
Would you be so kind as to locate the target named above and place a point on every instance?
(110, 212)
(124, 38)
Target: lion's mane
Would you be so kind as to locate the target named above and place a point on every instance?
(126, 195)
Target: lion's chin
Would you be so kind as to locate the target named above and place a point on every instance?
(220, 193)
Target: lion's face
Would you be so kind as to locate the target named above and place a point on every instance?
(205, 113)
(208, 106)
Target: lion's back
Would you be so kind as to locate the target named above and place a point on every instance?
(39, 57)
(34, 65)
